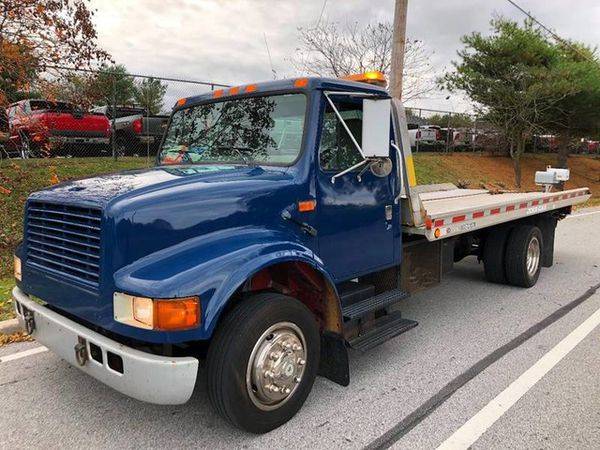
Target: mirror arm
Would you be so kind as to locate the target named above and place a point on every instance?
(349, 169)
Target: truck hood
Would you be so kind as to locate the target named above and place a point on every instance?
(101, 190)
(145, 211)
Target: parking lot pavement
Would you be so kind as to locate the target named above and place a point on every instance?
(45, 402)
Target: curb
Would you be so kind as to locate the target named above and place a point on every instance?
(10, 326)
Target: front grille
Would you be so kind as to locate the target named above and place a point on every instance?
(64, 239)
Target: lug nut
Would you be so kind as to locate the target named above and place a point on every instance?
(296, 347)
(301, 361)
(268, 374)
(287, 390)
(274, 355)
(297, 379)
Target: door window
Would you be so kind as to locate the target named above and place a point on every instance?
(337, 152)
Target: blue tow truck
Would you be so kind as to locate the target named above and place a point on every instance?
(281, 225)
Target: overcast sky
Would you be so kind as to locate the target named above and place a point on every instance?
(224, 40)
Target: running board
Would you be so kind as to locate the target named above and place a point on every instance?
(384, 329)
(380, 301)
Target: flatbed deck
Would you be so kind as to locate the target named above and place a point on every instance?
(457, 211)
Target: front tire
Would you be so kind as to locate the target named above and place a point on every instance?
(262, 362)
(523, 256)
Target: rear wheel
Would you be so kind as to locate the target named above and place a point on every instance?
(523, 256)
(493, 255)
(262, 362)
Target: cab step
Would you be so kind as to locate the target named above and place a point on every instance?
(363, 307)
(384, 329)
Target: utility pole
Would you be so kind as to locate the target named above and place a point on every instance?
(398, 45)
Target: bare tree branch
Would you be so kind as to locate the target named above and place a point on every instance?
(331, 49)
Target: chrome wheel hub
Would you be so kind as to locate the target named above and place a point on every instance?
(276, 365)
(533, 256)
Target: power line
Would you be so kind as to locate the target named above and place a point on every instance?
(553, 33)
(322, 11)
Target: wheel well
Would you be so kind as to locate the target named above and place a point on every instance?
(302, 282)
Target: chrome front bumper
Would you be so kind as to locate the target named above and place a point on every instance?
(143, 376)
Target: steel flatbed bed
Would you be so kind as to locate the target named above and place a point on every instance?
(453, 212)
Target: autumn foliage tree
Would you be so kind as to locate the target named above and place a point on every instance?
(36, 35)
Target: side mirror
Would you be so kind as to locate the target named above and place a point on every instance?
(376, 128)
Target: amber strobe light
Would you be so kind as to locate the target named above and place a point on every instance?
(157, 314)
(372, 77)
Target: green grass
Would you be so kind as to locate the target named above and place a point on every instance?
(6, 308)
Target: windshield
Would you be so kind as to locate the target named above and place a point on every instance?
(262, 130)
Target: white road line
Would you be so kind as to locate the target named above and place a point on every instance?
(23, 354)
(574, 216)
(474, 428)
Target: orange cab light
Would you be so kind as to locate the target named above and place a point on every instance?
(250, 88)
(234, 90)
(181, 101)
(176, 314)
(437, 233)
(301, 82)
(218, 93)
(307, 205)
(373, 77)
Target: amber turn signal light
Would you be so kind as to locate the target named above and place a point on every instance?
(177, 314)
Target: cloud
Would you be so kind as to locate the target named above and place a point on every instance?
(224, 40)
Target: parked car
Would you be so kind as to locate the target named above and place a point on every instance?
(52, 128)
(135, 131)
(424, 134)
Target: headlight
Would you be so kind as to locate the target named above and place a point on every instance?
(18, 275)
(157, 314)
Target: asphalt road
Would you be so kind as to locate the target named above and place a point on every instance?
(474, 341)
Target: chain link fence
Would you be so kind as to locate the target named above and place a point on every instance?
(80, 113)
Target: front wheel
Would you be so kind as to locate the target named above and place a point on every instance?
(262, 362)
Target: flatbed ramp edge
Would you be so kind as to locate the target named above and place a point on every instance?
(454, 212)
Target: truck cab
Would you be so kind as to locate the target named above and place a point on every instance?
(281, 224)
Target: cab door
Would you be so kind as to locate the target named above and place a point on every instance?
(355, 214)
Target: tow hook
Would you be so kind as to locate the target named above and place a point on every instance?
(81, 354)
(29, 321)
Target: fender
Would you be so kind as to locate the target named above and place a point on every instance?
(213, 266)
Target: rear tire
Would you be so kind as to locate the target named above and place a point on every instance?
(494, 250)
(266, 342)
(524, 256)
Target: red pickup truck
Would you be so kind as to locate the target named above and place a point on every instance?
(52, 128)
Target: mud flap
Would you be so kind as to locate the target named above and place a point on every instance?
(547, 226)
(334, 359)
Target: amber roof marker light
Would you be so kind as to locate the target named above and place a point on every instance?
(372, 77)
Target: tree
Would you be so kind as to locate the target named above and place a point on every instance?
(577, 114)
(111, 84)
(38, 34)
(150, 93)
(510, 75)
(458, 120)
(329, 49)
